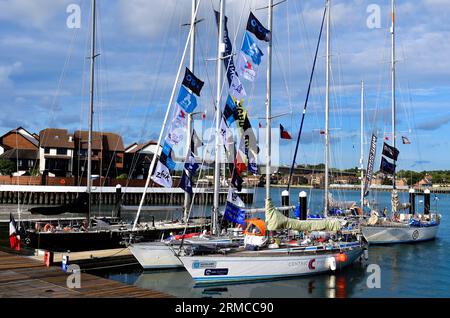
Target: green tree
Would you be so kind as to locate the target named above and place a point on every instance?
(7, 167)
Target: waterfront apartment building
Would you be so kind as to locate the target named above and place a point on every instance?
(56, 147)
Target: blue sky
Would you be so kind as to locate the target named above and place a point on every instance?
(44, 72)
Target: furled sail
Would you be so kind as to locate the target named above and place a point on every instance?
(277, 221)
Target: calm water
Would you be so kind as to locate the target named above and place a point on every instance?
(407, 270)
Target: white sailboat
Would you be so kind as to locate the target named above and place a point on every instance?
(261, 259)
(402, 228)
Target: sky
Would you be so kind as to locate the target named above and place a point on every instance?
(44, 72)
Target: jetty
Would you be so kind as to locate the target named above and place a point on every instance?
(26, 277)
(56, 195)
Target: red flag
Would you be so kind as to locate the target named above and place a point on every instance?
(386, 138)
(322, 132)
(14, 238)
(284, 134)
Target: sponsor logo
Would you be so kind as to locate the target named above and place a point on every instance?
(197, 265)
(415, 235)
(311, 264)
(216, 271)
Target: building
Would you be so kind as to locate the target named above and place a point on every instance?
(138, 158)
(21, 147)
(56, 149)
(426, 182)
(107, 154)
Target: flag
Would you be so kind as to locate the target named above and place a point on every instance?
(370, 164)
(234, 214)
(166, 156)
(236, 179)
(230, 112)
(260, 125)
(177, 129)
(189, 171)
(225, 133)
(255, 27)
(245, 68)
(390, 152)
(250, 48)
(14, 237)
(228, 59)
(405, 140)
(162, 175)
(192, 82)
(186, 100)
(386, 166)
(283, 133)
(196, 143)
(386, 138)
(237, 90)
(234, 198)
(322, 132)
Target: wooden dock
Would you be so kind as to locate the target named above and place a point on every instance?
(24, 277)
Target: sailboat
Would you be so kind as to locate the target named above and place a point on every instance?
(271, 257)
(96, 233)
(401, 228)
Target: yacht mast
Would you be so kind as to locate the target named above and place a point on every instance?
(91, 111)
(269, 102)
(219, 74)
(327, 108)
(393, 85)
(361, 159)
(187, 197)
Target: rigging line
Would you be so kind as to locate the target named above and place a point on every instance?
(306, 103)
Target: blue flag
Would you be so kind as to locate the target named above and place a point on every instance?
(189, 171)
(186, 100)
(234, 214)
(166, 157)
(250, 48)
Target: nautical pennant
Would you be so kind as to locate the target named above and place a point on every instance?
(189, 171)
(234, 213)
(234, 198)
(283, 133)
(250, 48)
(162, 175)
(192, 82)
(256, 27)
(390, 152)
(186, 100)
(245, 68)
(228, 59)
(237, 90)
(405, 141)
(387, 167)
(14, 237)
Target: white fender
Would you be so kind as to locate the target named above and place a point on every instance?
(331, 263)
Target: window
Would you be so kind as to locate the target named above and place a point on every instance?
(61, 151)
(46, 150)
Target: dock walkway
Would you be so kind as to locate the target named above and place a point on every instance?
(25, 277)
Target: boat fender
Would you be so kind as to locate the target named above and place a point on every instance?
(332, 263)
(48, 227)
(366, 254)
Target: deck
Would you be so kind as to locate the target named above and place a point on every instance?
(25, 277)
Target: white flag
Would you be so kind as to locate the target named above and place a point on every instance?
(237, 89)
(245, 68)
(177, 129)
(225, 133)
(233, 198)
(162, 175)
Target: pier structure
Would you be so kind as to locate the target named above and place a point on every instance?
(56, 195)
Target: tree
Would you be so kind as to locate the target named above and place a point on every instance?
(7, 167)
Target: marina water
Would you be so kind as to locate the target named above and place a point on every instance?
(406, 270)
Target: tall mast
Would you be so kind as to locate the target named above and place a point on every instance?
(187, 197)
(91, 111)
(393, 83)
(219, 74)
(269, 101)
(361, 159)
(327, 108)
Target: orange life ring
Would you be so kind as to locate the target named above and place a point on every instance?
(48, 227)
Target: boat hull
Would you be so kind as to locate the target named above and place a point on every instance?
(393, 235)
(155, 255)
(217, 269)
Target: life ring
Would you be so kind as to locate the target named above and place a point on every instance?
(62, 181)
(48, 227)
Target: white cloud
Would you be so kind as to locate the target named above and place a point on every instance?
(5, 74)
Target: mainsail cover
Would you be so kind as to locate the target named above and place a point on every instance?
(277, 221)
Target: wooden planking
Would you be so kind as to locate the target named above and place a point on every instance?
(25, 277)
